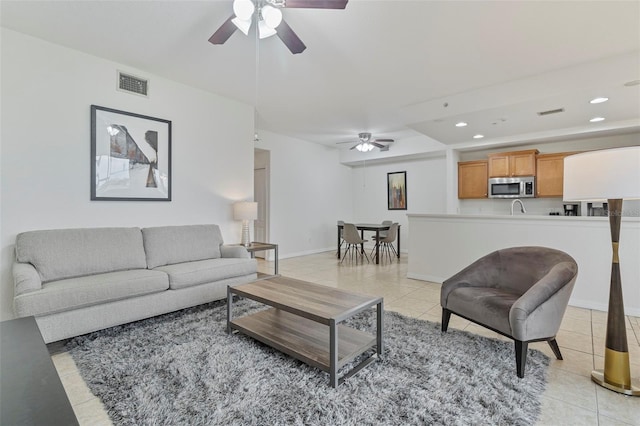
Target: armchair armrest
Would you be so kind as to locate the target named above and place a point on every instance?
(481, 273)
(234, 251)
(550, 294)
(25, 278)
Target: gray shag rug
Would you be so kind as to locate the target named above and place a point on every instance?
(183, 369)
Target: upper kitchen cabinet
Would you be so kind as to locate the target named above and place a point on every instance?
(472, 179)
(516, 163)
(550, 174)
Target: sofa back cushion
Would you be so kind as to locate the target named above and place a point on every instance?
(166, 245)
(68, 253)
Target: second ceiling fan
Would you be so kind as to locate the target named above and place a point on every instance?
(366, 143)
(269, 18)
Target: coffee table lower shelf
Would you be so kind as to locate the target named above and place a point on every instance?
(305, 339)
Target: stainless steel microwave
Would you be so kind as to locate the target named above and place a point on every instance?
(512, 187)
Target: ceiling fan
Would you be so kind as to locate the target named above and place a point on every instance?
(269, 19)
(366, 143)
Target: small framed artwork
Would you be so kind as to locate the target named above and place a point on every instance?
(397, 191)
(130, 156)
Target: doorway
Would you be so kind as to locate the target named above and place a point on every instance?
(261, 163)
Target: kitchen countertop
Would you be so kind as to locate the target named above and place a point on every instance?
(523, 217)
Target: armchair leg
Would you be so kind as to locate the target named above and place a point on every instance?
(555, 348)
(446, 315)
(521, 357)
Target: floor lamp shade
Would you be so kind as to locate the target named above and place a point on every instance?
(602, 175)
(245, 211)
(612, 175)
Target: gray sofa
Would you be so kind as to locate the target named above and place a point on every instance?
(75, 281)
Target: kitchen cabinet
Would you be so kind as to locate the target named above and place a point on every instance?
(550, 174)
(516, 163)
(472, 179)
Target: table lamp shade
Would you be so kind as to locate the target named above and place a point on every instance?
(245, 210)
(602, 175)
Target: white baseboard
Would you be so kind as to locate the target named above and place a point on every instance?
(430, 278)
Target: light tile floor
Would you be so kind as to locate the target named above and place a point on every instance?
(571, 398)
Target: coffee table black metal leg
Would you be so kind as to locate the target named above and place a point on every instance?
(229, 303)
(379, 329)
(333, 355)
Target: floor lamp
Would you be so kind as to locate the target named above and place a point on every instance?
(612, 175)
(245, 211)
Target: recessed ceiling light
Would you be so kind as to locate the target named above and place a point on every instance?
(598, 100)
(596, 119)
(478, 136)
(461, 124)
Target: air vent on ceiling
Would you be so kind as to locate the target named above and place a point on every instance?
(133, 84)
(551, 111)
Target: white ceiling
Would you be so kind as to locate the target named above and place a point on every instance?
(394, 68)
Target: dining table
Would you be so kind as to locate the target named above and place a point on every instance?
(374, 227)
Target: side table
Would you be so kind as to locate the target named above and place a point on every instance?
(257, 246)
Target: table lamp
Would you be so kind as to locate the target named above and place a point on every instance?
(245, 211)
(612, 175)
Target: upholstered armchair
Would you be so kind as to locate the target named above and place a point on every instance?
(519, 292)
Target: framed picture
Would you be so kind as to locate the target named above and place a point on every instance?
(130, 156)
(397, 191)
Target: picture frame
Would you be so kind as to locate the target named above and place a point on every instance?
(130, 156)
(397, 190)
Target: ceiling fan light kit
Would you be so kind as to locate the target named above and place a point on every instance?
(269, 20)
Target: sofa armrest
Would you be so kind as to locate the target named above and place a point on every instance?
(234, 251)
(25, 278)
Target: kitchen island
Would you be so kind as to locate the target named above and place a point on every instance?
(442, 244)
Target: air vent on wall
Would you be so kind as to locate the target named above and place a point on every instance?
(551, 111)
(133, 84)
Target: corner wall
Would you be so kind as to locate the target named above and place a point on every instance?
(426, 192)
(46, 93)
(309, 192)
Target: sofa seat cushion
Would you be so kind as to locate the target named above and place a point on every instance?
(73, 293)
(188, 274)
(487, 305)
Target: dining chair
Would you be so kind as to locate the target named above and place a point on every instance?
(353, 240)
(386, 243)
(340, 223)
(382, 234)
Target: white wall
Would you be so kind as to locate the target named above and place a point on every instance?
(309, 191)
(426, 191)
(46, 93)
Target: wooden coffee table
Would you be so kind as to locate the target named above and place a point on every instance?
(304, 322)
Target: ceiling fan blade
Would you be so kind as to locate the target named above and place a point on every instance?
(223, 33)
(383, 140)
(354, 147)
(289, 38)
(317, 4)
(376, 144)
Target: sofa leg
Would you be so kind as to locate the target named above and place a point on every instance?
(521, 357)
(446, 314)
(555, 348)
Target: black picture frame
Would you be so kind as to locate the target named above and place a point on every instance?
(397, 190)
(130, 156)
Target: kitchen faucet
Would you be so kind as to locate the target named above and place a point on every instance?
(518, 200)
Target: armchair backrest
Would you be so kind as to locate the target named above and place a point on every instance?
(519, 268)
